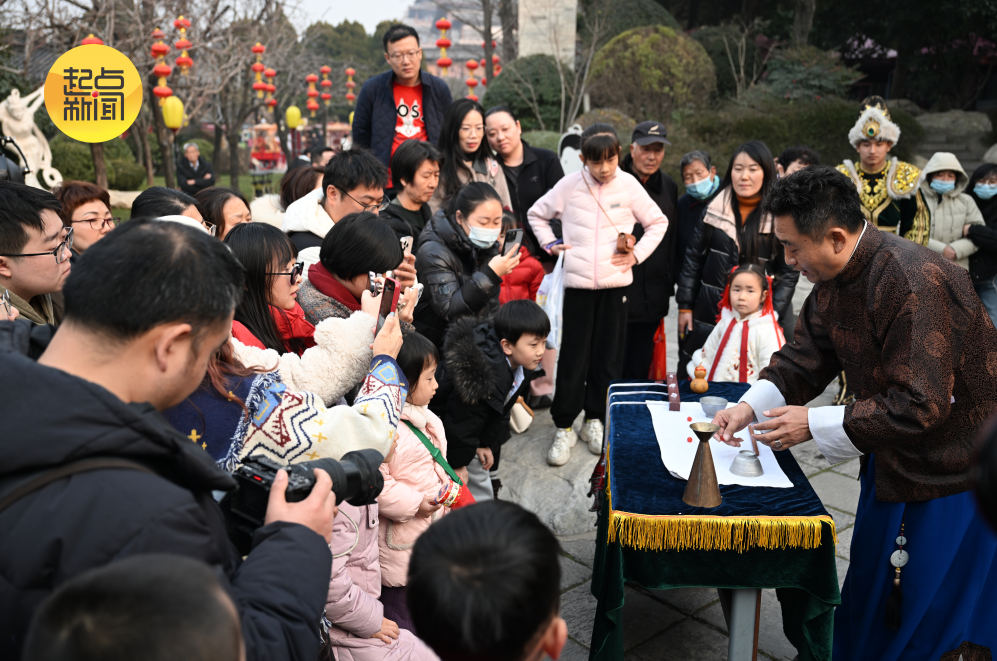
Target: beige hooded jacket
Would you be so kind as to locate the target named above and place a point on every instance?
(951, 211)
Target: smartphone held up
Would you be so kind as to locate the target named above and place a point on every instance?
(389, 301)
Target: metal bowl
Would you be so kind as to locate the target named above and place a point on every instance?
(746, 464)
(711, 405)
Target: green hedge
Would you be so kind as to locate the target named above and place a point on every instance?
(75, 162)
(513, 88)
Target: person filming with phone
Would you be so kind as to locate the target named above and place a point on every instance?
(145, 310)
(461, 262)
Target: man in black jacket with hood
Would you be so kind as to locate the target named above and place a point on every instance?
(652, 285)
(144, 313)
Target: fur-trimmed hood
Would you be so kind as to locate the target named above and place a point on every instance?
(475, 361)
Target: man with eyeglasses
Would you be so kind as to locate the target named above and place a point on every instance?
(402, 104)
(34, 252)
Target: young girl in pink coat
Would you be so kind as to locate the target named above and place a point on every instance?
(358, 626)
(412, 478)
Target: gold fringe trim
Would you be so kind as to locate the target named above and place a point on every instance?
(717, 533)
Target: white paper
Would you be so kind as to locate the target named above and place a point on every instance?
(678, 446)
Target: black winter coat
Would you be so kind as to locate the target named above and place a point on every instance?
(983, 263)
(709, 258)
(458, 281)
(389, 214)
(541, 169)
(690, 213)
(186, 172)
(652, 286)
(376, 117)
(89, 519)
(474, 379)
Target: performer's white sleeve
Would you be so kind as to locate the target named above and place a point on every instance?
(763, 396)
(827, 426)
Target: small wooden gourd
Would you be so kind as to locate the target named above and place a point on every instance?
(699, 385)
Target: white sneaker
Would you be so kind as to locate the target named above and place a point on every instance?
(560, 451)
(592, 433)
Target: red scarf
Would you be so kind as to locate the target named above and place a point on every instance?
(326, 283)
(292, 325)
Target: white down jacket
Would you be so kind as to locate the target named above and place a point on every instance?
(581, 202)
(951, 211)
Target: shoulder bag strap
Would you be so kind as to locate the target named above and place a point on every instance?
(592, 193)
(435, 451)
(35, 481)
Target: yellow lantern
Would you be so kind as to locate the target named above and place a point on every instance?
(292, 117)
(173, 113)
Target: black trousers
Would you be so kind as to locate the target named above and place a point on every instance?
(639, 349)
(591, 354)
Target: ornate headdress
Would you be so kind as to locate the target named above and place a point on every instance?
(874, 123)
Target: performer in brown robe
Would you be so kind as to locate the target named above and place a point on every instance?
(920, 353)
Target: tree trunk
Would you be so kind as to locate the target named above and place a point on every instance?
(692, 20)
(99, 165)
(150, 168)
(233, 157)
(162, 137)
(803, 21)
(509, 16)
(216, 159)
(898, 86)
(486, 28)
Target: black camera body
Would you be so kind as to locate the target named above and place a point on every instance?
(9, 169)
(355, 479)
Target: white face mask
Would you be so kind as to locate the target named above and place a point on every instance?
(481, 237)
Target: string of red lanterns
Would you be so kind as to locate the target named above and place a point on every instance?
(258, 69)
(443, 44)
(472, 82)
(350, 85)
(270, 74)
(184, 62)
(161, 70)
(326, 84)
(312, 104)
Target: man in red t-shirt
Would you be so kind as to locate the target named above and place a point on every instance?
(408, 108)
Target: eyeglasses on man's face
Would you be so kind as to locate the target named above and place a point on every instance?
(61, 252)
(296, 271)
(366, 207)
(99, 223)
(410, 55)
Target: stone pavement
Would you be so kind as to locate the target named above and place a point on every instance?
(659, 625)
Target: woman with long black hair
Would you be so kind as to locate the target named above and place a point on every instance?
(733, 232)
(268, 316)
(466, 155)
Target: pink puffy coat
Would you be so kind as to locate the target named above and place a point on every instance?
(411, 475)
(354, 587)
(590, 234)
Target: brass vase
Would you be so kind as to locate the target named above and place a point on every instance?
(703, 490)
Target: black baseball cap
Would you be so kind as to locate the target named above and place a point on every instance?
(649, 132)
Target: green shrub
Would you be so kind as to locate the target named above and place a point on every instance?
(622, 122)
(206, 147)
(543, 139)
(125, 175)
(712, 39)
(72, 158)
(809, 73)
(623, 15)
(651, 71)
(529, 86)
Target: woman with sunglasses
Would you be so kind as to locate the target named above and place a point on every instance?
(268, 316)
(466, 155)
(86, 208)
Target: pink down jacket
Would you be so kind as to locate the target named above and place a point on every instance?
(352, 605)
(411, 474)
(590, 234)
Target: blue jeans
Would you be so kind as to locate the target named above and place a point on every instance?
(987, 291)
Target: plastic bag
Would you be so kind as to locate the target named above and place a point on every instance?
(659, 362)
(550, 297)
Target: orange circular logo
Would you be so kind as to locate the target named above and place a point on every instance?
(93, 93)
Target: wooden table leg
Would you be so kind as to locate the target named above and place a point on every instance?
(745, 610)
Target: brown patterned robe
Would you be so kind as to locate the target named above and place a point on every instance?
(910, 333)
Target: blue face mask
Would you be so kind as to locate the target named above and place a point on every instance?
(703, 189)
(483, 238)
(942, 187)
(985, 191)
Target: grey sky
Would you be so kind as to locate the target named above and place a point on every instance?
(368, 12)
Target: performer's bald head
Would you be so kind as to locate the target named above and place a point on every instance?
(818, 219)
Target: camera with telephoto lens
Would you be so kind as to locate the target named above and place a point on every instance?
(355, 479)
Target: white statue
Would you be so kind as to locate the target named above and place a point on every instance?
(17, 120)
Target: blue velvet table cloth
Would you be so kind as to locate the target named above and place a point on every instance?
(643, 493)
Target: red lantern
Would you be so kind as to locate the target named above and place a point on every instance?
(472, 82)
(270, 73)
(272, 103)
(258, 67)
(181, 24)
(444, 63)
(271, 88)
(326, 96)
(350, 84)
(311, 78)
(184, 63)
(443, 24)
(326, 83)
(495, 59)
(259, 48)
(312, 105)
(473, 97)
(484, 81)
(260, 88)
(326, 70)
(493, 44)
(351, 97)
(161, 70)
(443, 44)
(482, 62)
(472, 65)
(162, 91)
(92, 40)
(158, 34)
(182, 44)
(160, 49)
(350, 72)
(312, 93)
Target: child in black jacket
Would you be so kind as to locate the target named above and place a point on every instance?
(487, 366)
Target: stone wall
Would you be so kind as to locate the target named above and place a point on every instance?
(965, 134)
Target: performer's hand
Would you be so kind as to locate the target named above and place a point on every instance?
(789, 426)
(731, 421)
